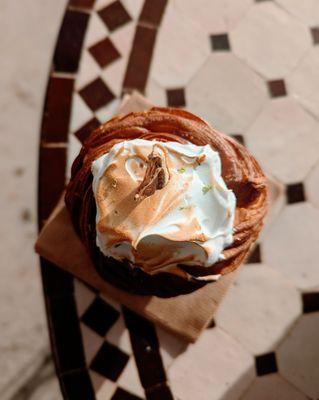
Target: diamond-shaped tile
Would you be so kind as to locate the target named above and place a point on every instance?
(104, 52)
(277, 88)
(96, 94)
(83, 297)
(270, 40)
(109, 362)
(239, 138)
(310, 302)
(92, 342)
(103, 388)
(233, 97)
(295, 193)
(130, 380)
(220, 42)
(254, 256)
(266, 364)
(315, 35)
(250, 312)
(176, 97)
(114, 15)
(100, 316)
(86, 129)
(284, 139)
(298, 356)
(121, 394)
(291, 245)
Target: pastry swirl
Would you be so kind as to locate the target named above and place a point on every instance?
(240, 171)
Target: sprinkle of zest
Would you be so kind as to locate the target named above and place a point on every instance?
(114, 183)
(206, 188)
(181, 170)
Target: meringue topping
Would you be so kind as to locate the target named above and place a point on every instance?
(162, 204)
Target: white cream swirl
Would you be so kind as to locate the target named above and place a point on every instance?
(189, 221)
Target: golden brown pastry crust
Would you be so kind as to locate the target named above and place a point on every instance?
(240, 171)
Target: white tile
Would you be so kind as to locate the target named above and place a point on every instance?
(107, 112)
(181, 48)
(285, 139)
(80, 113)
(272, 387)
(113, 76)
(298, 356)
(270, 40)
(83, 297)
(170, 346)
(250, 311)
(291, 245)
(129, 379)
(119, 336)
(96, 31)
(306, 11)
(122, 38)
(73, 150)
(99, 4)
(304, 79)
(312, 186)
(215, 367)
(155, 93)
(92, 342)
(133, 7)
(226, 93)
(103, 388)
(89, 70)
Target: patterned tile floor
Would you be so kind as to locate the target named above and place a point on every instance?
(250, 68)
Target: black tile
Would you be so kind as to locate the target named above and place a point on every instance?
(159, 392)
(315, 34)
(52, 165)
(310, 302)
(57, 110)
(295, 193)
(83, 133)
(220, 42)
(114, 15)
(68, 49)
(77, 385)
(266, 364)
(277, 88)
(104, 52)
(121, 394)
(240, 138)
(56, 282)
(140, 59)
(96, 94)
(152, 12)
(82, 3)
(254, 256)
(65, 333)
(100, 316)
(146, 349)
(176, 97)
(109, 361)
(211, 324)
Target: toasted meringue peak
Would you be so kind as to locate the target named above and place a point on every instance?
(162, 204)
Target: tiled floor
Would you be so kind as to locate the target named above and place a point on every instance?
(250, 68)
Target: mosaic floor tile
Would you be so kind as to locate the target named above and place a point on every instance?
(129, 379)
(304, 79)
(234, 97)
(114, 15)
(81, 113)
(287, 252)
(258, 322)
(155, 93)
(91, 343)
(133, 7)
(84, 297)
(312, 187)
(118, 335)
(104, 388)
(266, 364)
(104, 52)
(281, 136)
(298, 356)
(295, 193)
(272, 387)
(234, 374)
(89, 70)
(306, 11)
(96, 32)
(270, 40)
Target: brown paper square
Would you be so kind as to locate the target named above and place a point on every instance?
(185, 315)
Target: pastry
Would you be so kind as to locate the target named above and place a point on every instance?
(164, 203)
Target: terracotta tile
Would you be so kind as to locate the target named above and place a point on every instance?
(52, 165)
(281, 136)
(295, 193)
(82, 3)
(104, 52)
(57, 110)
(234, 373)
(277, 88)
(315, 35)
(152, 11)
(266, 364)
(310, 302)
(96, 94)
(304, 79)
(114, 15)
(140, 59)
(270, 40)
(86, 129)
(306, 11)
(234, 96)
(176, 97)
(250, 312)
(220, 42)
(272, 387)
(312, 187)
(293, 251)
(298, 356)
(181, 49)
(69, 45)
